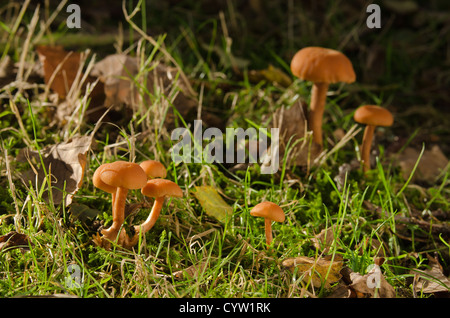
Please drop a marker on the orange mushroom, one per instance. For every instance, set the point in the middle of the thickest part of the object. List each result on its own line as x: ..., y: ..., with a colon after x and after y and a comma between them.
x: 323, y: 67
x: 270, y: 212
x: 158, y: 189
x: 117, y: 178
x: 153, y: 169
x: 372, y: 116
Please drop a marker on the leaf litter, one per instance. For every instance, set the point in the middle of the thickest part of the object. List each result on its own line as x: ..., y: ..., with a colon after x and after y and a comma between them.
x: 64, y: 164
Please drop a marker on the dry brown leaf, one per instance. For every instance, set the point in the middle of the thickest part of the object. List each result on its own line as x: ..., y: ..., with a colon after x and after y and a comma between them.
x: 324, y: 240
x: 371, y: 285
x: 431, y: 165
x: 432, y: 280
x: 119, y: 72
x: 60, y: 70
x: 293, y: 131
x: 64, y: 162
x: 13, y: 240
x: 320, y: 270
x: 53, y: 57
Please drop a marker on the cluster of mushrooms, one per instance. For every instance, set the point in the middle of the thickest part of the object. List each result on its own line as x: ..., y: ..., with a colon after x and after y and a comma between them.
x: 322, y: 66
x: 120, y: 176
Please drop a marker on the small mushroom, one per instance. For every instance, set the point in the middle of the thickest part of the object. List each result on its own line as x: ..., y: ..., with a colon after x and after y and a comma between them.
x: 322, y: 66
x: 270, y: 212
x: 153, y: 169
x: 372, y: 116
x: 117, y: 178
x: 158, y: 189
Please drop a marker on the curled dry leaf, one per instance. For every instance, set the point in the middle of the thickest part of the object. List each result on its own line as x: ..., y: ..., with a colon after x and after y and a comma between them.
x: 64, y: 163
x: 320, y: 270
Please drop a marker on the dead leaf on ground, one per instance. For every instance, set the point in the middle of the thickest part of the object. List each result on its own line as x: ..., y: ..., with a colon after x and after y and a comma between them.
x: 120, y: 72
x: 60, y: 71
x: 371, y: 285
x: 431, y: 280
x: 320, y: 270
x: 212, y: 203
x: 271, y: 74
x: 60, y: 67
x: 294, y: 136
x: 324, y: 240
x: 13, y: 240
x: 65, y: 163
x: 429, y: 168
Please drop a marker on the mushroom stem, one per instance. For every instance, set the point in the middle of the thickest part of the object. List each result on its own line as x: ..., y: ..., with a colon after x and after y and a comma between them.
x: 118, y: 213
x: 317, y: 107
x: 152, y: 217
x: 268, y: 228
x: 366, y: 145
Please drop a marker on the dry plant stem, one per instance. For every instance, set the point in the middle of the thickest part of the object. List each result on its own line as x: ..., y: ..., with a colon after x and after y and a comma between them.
x: 118, y: 213
x: 268, y: 228
x: 365, y: 147
x: 317, y: 107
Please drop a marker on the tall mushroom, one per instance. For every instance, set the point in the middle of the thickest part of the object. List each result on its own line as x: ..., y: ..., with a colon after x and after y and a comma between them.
x: 372, y: 116
x: 270, y: 212
x: 158, y: 189
x: 117, y: 178
x: 322, y: 66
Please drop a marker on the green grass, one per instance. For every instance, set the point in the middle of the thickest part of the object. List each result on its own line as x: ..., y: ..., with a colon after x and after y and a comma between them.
x: 360, y: 209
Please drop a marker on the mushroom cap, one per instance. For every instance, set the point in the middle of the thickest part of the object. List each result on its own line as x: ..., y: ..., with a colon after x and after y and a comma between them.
x: 322, y: 65
x: 268, y: 210
x: 97, y: 180
x: 154, y: 169
x: 157, y: 188
x: 123, y: 174
x: 373, y: 115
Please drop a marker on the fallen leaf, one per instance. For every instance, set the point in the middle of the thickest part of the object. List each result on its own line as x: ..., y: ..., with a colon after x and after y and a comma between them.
x: 371, y: 285
x: 119, y: 74
x: 432, y: 280
x: 430, y: 166
x: 14, y: 240
x: 320, y: 270
x: 294, y: 137
x: 212, y: 203
x: 65, y: 164
x: 60, y: 71
x: 61, y: 65
x: 324, y: 240
x: 270, y: 74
